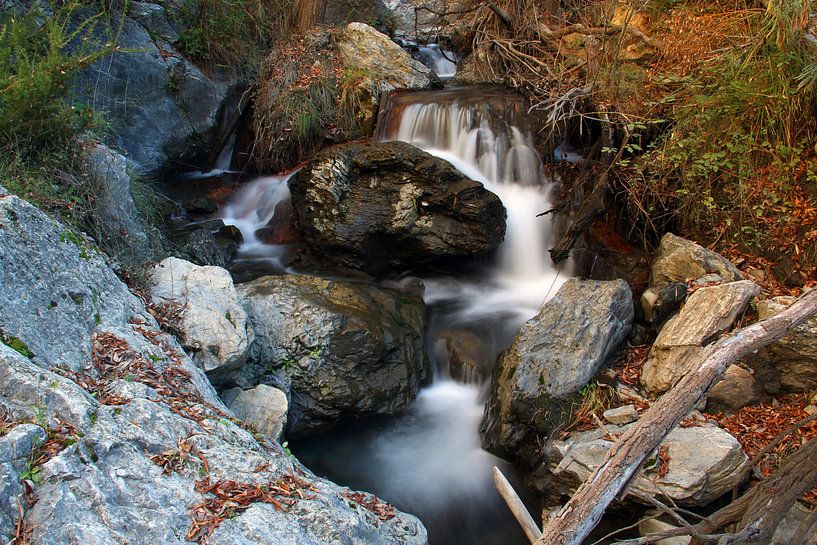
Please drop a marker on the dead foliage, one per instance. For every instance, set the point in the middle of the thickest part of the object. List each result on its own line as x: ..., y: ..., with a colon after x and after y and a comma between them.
x: 629, y: 365
x: 178, y: 459
x: 224, y: 499
x: 169, y: 316
x: 100, y: 388
x: 370, y: 502
x: 757, y: 425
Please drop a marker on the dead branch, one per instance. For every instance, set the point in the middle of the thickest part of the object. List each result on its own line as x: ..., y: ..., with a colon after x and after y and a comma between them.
x: 516, y: 506
x: 580, y: 515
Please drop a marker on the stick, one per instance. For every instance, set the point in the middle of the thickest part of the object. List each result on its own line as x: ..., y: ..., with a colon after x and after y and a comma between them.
x: 580, y: 515
x: 516, y: 506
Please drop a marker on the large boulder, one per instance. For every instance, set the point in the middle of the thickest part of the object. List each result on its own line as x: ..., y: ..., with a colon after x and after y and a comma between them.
x: 790, y: 363
x: 263, y: 407
x: 17, y: 447
x: 390, y: 206
x: 702, y: 464
x: 680, y: 260
x: 138, y: 438
x: 202, y: 306
x: 735, y: 390
x: 348, y: 350
x: 553, y: 356
x: 708, y: 313
x: 161, y: 108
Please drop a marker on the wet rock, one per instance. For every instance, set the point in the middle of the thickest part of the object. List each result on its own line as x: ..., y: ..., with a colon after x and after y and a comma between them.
x: 737, y: 389
x: 16, y: 449
x: 552, y: 357
x: 107, y: 486
x: 392, y: 206
x: 708, y: 313
x: 704, y: 463
x: 203, y: 306
x: 678, y: 260
x: 349, y: 349
x: 263, y: 407
x: 790, y: 363
x: 118, y: 226
x: 466, y: 356
x: 212, y: 243
x: 621, y: 415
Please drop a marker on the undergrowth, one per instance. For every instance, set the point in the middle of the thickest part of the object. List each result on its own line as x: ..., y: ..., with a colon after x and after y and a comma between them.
x: 234, y: 33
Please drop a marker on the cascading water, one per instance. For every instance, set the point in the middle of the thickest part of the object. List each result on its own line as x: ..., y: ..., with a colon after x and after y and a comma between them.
x: 429, y: 461
x: 252, y: 209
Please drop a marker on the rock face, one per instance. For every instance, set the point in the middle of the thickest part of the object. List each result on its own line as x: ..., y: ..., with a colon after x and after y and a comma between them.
x: 160, y: 105
x: 554, y: 355
x: 704, y: 463
x: 119, y: 225
x: 347, y: 349
x: 789, y: 364
x: 135, y: 420
x: 263, y: 407
x: 708, y: 313
x: 16, y: 449
x: 202, y: 305
x: 678, y: 260
x: 391, y: 205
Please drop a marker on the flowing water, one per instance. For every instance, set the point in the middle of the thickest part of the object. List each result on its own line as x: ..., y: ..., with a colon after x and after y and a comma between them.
x: 429, y: 461
x: 442, y: 61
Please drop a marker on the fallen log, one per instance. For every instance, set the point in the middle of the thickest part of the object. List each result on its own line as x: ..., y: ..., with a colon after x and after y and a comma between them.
x: 516, y: 506
x: 584, y: 510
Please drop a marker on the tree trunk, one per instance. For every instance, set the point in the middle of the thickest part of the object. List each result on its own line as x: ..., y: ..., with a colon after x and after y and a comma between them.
x: 580, y: 515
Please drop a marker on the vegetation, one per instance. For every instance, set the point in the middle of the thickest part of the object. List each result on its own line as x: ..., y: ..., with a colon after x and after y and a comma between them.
x: 234, y: 33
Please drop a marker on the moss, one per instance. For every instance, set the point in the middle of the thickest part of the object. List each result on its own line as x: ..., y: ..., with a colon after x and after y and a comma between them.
x: 15, y: 343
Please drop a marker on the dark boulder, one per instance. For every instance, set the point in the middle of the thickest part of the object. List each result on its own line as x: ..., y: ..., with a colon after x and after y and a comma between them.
x: 390, y: 205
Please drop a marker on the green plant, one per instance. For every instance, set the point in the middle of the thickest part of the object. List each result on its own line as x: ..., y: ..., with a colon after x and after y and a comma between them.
x: 15, y: 343
x: 31, y: 473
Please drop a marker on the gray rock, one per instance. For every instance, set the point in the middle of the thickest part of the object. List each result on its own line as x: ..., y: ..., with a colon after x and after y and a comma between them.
x: 391, y: 205
x: 349, y: 349
x: 621, y: 415
x: 552, y: 357
x: 119, y: 227
x: 159, y: 20
x: 679, y: 260
x: 404, y: 20
x: 708, y: 313
x: 16, y: 448
x: 263, y: 407
x: 211, y: 322
x: 790, y: 363
x: 107, y: 486
x: 161, y: 107
x: 704, y: 463
x: 736, y: 389
x: 785, y: 531
x: 55, y: 287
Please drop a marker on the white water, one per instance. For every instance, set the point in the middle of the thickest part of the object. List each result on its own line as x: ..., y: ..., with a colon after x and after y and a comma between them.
x: 501, y: 156
x: 442, y: 61
x: 251, y: 208
x: 222, y: 164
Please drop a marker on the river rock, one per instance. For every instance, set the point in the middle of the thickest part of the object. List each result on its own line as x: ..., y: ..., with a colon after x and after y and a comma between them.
x: 621, y: 415
x: 16, y: 449
x: 553, y: 356
x: 704, y: 463
x: 660, y: 302
x: 679, y: 260
x: 349, y: 350
x: 708, y: 313
x: 785, y: 531
x: 136, y: 418
x: 790, y: 363
x: 263, y: 407
x: 651, y: 525
x: 391, y: 206
x: 466, y: 356
x: 736, y: 389
x: 203, y: 306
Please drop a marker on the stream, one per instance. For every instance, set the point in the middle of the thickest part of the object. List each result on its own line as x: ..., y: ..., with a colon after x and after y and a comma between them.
x: 429, y: 461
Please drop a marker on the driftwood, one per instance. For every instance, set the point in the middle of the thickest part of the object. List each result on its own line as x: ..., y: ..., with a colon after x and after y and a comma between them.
x: 581, y: 514
x: 516, y: 506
